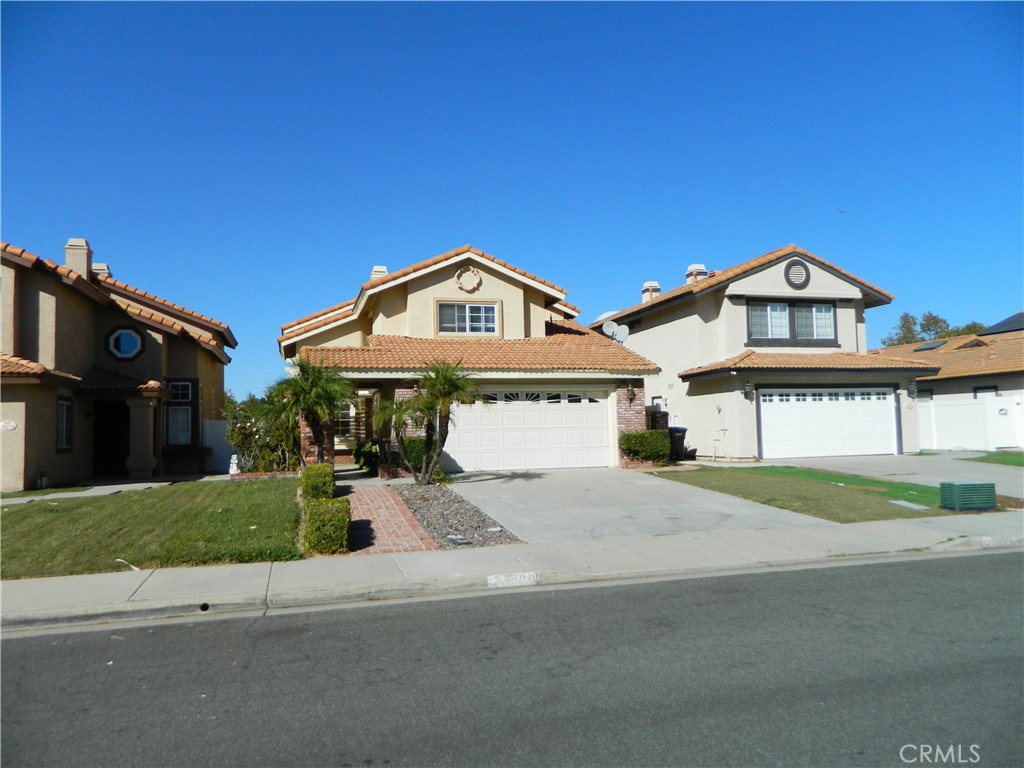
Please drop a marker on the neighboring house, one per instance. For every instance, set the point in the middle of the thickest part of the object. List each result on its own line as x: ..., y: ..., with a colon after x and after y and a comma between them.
x: 768, y: 359
x: 555, y: 394
x: 975, y: 399
x: 100, y: 378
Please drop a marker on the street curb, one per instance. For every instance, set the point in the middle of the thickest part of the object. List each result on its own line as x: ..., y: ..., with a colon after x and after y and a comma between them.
x: 470, y: 585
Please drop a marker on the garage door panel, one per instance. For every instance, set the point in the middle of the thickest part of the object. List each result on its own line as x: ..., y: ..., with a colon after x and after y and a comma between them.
x: 827, y: 422
x: 531, y: 429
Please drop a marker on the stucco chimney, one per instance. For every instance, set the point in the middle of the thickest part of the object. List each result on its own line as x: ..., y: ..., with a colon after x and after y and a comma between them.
x: 378, y: 272
x: 651, y: 290
x: 78, y: 256
x: 696, y: 272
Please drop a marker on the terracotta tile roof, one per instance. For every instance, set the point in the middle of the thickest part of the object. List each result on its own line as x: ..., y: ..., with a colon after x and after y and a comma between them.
x: 112, y: 286
x: 721, y: 277
x: 101, y: 379
x: 302, y: 331
x: 14, y: 367
x: 116, y: 286
x: 568, y: 347
x: 450, y: 254
x: 967, y: 356
x: 330, y: 310
x: 749, y: 360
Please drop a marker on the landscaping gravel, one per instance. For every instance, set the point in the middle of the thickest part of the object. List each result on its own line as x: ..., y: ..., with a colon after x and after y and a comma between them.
x: 443, y: 514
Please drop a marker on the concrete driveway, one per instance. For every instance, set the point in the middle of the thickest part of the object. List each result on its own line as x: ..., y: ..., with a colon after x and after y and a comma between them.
x: 565, y: 504
x: 944, y: 467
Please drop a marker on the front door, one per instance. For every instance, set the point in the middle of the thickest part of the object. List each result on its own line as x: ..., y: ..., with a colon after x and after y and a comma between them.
x: 111, y: 437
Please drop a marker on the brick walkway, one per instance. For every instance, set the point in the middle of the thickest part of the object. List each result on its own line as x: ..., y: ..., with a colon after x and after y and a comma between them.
x: 381, y: 523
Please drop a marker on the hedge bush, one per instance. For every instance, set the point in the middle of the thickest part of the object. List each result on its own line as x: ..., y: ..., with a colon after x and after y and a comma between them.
x: 318, y: 481
x: 326, y: 528
x: 648, y: 445
x: 414, y: 447
x: 366, y: 455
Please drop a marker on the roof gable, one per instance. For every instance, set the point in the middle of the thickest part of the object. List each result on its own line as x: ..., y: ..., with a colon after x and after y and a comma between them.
x: 145, y: 307
x: 352, y: 309
x: 874, y: 295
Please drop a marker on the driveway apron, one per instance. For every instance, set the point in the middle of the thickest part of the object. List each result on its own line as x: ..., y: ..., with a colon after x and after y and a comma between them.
x: 567, y: 504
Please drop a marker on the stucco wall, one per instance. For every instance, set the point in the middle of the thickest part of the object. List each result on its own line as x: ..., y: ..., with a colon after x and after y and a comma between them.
x: 12, y: 441
x: 76, y: 332
x: 148, y: 365
x: 8, y: 308
x: 713, y: 327
x: 30, y: 450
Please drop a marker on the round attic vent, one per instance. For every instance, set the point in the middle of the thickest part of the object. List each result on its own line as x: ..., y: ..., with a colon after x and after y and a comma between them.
x: 797, y: 274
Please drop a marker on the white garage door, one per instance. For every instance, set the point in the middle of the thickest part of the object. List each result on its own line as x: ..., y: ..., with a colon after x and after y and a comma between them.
x: 854, y: 421
x: 517, y: 428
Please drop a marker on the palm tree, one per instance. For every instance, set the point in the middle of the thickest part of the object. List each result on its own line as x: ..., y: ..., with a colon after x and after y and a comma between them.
x: 316, y: 393
x: 438, y: 389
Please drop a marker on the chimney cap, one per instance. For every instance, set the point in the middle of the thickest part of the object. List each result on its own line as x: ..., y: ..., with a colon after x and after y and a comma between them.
x: 378, y: 271
x: 696, y: 268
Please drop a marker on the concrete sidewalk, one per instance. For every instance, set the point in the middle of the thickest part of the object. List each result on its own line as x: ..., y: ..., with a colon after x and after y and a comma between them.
x: 262, y: 587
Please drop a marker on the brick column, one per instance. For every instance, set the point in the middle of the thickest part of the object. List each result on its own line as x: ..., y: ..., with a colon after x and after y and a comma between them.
x: 308, y: 444
x: 630, y: 416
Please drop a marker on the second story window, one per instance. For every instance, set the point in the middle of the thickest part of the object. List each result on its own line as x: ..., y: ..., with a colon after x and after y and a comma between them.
x: 791, y: 323
x: 466, y: 318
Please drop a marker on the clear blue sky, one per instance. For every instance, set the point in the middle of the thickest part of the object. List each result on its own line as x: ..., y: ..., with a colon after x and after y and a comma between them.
x: 254, y: 161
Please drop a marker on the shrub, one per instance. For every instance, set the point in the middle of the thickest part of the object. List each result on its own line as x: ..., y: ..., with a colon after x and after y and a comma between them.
x: 318, y: 481
x: 326, y: 528
x: 366, y: 455
x: 414, y: 447
x: 647, y: 445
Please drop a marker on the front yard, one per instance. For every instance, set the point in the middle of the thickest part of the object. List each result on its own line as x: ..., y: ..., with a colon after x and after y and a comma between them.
x: 827, y: 495
x: 191, y: 523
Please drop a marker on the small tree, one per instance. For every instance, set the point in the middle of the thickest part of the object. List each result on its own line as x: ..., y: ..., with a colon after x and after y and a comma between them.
x: 441, y: 386
x: 262, y: 441
x: 909, y: 330
x: 315, y: 393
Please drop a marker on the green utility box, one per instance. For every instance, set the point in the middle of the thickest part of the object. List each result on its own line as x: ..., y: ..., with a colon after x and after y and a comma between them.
x: 961, y: 496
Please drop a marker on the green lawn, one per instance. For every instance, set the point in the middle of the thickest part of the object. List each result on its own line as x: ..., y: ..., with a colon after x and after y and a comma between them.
x: 190, y: 523
x: 1012, y: 459
x: 828, y: 495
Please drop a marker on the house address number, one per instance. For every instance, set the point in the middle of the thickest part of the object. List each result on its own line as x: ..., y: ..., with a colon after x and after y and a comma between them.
x: 8, y: 426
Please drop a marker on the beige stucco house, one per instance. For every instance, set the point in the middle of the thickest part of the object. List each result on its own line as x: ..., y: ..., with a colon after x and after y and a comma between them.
x: 98, y: 378
x: 554, y: 393
x: 975, y: 400
x: 768, y: 359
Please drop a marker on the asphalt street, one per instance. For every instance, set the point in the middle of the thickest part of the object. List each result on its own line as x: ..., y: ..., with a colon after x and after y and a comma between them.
x: 855, y: 666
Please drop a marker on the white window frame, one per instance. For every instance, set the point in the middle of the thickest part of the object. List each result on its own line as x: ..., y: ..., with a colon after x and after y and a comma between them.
x: 470, y: 319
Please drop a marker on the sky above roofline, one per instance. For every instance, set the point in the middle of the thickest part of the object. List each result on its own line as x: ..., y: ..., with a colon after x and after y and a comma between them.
x: 254, y: 161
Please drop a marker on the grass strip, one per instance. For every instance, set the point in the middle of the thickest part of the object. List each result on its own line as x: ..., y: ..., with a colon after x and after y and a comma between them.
x: 1010, y: 459
x: 826, y: 495
x: 190, y: 523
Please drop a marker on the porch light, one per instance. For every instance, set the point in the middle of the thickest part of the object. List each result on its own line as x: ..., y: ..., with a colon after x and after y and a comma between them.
x: 912, y: 390
x: 748, y: 391
x: 630, y: 393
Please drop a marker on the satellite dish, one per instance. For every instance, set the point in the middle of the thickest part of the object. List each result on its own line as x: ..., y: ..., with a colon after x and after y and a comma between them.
x: 609, y: 328
x: 620, y: 334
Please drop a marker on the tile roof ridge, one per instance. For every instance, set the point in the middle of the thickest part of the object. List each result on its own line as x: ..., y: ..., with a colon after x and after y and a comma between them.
x: 315, y: 315
x: 120, y: 285
x: 718, y: 277
x: 442, y: 257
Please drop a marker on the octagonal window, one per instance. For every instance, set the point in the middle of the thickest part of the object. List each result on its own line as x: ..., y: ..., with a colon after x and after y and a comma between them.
x: 124, y: 343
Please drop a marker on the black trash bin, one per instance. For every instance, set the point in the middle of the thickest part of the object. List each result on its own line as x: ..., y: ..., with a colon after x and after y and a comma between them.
x: 677, y: 443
